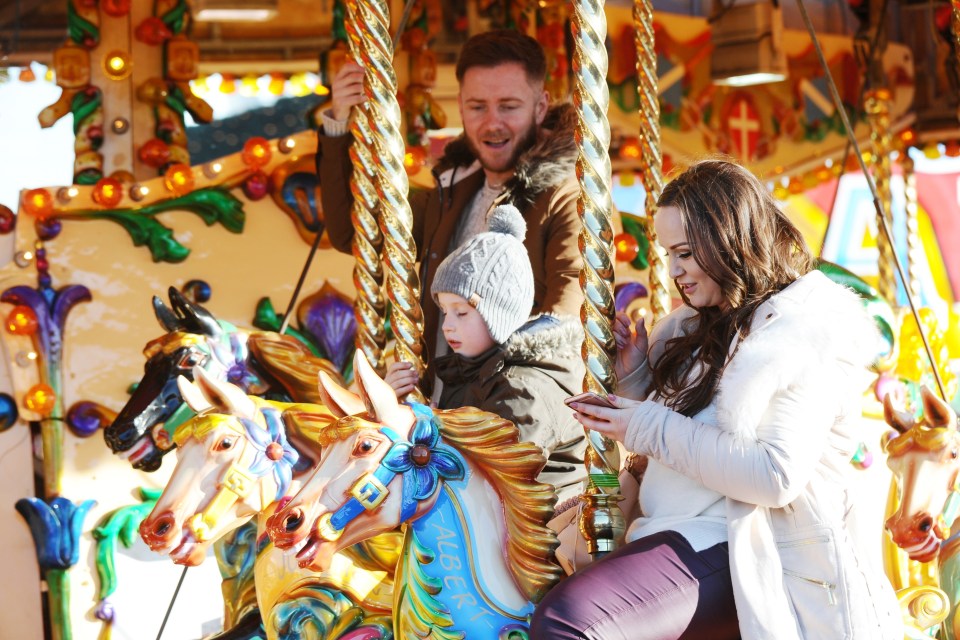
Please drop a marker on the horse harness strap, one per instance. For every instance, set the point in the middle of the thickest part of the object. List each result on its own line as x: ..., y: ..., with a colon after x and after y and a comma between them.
x: 235, y: 485
x: 367, y: 494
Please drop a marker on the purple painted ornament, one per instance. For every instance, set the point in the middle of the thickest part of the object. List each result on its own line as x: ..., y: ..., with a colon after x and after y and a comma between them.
x: 48, y: 228
x: 626, y: 293
x: 256, y: 186
x: 328, y: 316
x: 85, y: 418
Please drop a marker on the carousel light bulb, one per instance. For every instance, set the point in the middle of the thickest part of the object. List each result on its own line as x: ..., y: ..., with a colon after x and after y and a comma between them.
x: 22, y: 321
x: 66, y: 194
x: 38, y: 203
x: 256, y: 152
x: 212, y: 169
x: 41, y: 399
x: 23, y: 258
x: 286, y: 145
x: 108, y: 192
x: 117, y: 65
x: 120, y: 125
x: 179, y: 179
x: 25, y: 359
x: 138, y: 192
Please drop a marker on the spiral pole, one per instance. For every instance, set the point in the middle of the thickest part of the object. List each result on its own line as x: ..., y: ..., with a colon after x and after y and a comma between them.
x: 914, y: 246
x: 601, y: 521
x: 369, y: 307
x: 371, y: 23
x: 877, y: 104
x: 650, y: 151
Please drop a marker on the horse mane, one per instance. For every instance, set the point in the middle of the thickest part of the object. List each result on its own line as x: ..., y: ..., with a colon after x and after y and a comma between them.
x: 291, y: 364
x: 922, y: 437
x: 493, y: 445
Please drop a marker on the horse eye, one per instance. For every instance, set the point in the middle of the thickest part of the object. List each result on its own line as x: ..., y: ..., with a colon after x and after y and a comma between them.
x: 364, y: 447
x: 189, y: 359
x: 225, y: 444
x: 953, y: 454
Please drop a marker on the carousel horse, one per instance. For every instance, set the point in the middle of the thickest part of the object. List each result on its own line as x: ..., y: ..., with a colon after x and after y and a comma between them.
x: 477, y: 553
x: 234, y: 468
x: 924, y: 456
x: 259, y: 362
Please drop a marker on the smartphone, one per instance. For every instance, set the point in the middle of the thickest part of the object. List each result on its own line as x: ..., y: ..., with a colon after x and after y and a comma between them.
x: 591, y: 398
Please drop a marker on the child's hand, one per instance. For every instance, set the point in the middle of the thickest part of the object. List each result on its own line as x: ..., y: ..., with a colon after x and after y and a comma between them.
x: 631, y: 345
x: 402, y: 376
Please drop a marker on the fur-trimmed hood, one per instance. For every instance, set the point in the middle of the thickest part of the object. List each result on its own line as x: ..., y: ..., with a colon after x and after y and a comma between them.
x: 813, y: 332
x: 544, y: 338
x: 548, y: 163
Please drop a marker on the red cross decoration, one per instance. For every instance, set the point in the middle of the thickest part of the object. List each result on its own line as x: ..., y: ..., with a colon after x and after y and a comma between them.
x: 743, y: 126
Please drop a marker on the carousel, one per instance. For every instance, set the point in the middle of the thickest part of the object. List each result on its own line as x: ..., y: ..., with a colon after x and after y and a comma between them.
x: 179, y: 296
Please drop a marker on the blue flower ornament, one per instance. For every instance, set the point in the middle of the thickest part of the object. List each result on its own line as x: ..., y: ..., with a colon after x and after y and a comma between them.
x: 273, y: 451
x: 423, y: 460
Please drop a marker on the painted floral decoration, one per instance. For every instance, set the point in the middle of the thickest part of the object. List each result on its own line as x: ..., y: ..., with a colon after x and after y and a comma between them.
x: 423, y: 460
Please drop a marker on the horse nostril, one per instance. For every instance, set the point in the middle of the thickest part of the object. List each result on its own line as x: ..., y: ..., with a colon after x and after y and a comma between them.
x: 293, y: 521
x: 162, y: 528
x: 926, y: 524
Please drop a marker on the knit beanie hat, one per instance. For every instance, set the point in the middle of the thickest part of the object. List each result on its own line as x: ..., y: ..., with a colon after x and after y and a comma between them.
x: 492, y: 272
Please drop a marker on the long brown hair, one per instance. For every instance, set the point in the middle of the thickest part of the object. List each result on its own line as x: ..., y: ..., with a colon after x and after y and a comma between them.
x: 742, y: 240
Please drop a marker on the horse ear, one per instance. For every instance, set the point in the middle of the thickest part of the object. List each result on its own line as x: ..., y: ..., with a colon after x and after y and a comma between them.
x: 338, y: 400
x: 937, y: 413
x: 378, y: 396
x: 899, y: 420
x: 192, y: 395
x: 193, y: 317
x: 165, y: 316
x: 223, y: 395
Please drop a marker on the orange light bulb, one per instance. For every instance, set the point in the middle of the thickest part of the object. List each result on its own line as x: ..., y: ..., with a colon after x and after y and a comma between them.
x: 256, y: 152
x: 40, y: 399
x: 179, y: 179
x: 22, y: 321
x: 38, y: 203
x: 108, y: 192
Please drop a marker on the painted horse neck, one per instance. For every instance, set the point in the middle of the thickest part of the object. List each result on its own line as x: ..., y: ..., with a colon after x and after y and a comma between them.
x: 454, y: 567
x: 277, y: 574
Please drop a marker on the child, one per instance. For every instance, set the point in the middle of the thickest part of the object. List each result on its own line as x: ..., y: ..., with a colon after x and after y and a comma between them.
x: 502, y: 361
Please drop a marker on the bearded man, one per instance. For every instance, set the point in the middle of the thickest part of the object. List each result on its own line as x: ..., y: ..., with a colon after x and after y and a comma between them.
x: 515, y: 149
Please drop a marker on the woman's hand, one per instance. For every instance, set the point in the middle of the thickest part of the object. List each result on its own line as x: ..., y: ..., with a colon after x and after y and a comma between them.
x: 402, y: 376
x: 631, y: 344
x: 346, y: 90
x: 611, y: 422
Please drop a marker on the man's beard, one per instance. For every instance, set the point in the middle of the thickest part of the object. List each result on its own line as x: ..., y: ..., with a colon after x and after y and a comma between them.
x: 524, y: 143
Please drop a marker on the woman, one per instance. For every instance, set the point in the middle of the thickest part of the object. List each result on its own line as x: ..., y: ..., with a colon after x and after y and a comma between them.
x: 749, y: 528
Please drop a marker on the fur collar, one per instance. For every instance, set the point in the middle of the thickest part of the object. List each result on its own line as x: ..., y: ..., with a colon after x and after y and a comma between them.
x: 548, y: 163
x: 542, y: 338
x: 813, y: 332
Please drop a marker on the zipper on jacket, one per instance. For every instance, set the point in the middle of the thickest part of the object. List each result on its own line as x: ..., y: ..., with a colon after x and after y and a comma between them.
x: 831, y: 598
x: 803, y: 543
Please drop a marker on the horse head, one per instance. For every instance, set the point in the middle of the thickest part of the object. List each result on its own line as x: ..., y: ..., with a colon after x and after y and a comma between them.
x: 924, y: 456
x: 233, y: 461
x: 194, y: 338
x: 381, y: 465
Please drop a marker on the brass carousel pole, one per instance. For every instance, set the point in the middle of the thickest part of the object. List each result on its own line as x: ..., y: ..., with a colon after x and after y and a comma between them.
x: 914, y: 246
x: 368, y: 24
x: 601, y: 521
x: 650, y: 152
x: 877, y: 105
x: 367, y: 239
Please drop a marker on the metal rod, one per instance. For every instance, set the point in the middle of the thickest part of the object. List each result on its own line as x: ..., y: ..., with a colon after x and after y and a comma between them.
x: 303, y: 276
x: 172, y: 600
x: 838, y: 103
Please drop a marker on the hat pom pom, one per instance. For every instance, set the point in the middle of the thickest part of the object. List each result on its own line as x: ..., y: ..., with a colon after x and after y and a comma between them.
x: 506, y: 218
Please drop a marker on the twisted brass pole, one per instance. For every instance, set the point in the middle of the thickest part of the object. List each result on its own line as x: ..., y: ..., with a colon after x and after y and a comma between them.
x: 369, y: 307
x: 650, y: 152
x: 914, y: 246
x: 370, y: 20
x: 877, y: 104
x: 601, y: 521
